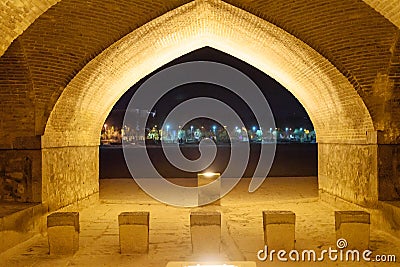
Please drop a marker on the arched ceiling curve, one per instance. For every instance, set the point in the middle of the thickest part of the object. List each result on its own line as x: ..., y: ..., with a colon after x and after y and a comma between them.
x: 17, y: 16
x: 349, y: 33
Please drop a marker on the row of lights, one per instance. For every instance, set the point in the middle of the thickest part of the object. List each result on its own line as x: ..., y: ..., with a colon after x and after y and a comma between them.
x: 214, y: 127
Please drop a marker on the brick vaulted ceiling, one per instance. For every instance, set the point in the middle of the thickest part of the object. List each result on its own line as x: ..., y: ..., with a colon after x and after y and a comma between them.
x: 51, y: 41
x: 18, y: 15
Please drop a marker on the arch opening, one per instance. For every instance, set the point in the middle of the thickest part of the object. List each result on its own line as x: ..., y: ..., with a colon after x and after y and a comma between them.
x: 340, y: 118
x: 296, y: 152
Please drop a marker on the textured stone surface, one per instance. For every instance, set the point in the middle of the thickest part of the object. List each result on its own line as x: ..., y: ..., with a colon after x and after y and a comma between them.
x: 17, y: 15
x: 63, y: 219
x: 279, y: 229
x: 389, y: 172
x: 351, y: 217
x: 278, y: 217
x: 63, y: 240
x: 349, y: 172
x: 354, y: 227
x: 134, y: 218
x: 19, y: 222
x: 134, y: 232
x: 205, y: 218
x: 20, y: 175
x: 205, y: 231
x: 63, y: 233
x: 69, y: 174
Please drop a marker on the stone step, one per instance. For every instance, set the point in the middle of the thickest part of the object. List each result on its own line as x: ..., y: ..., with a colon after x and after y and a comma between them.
x: 19, y: 222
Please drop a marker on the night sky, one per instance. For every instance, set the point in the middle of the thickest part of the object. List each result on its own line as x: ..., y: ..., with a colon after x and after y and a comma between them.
x: 288, y: 112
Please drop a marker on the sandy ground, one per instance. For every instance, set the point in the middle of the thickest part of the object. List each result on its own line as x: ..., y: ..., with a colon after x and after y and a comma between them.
x: 241, y: 230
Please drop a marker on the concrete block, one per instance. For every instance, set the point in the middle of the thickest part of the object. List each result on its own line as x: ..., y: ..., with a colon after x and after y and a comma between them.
x: 63, y: 233
x: 279, y: 229
x: 212, y: 193
x: 134, y: 232
x: 205, y: 230
x: 354, y: 227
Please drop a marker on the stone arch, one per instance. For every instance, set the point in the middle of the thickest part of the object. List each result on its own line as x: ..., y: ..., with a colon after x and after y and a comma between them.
x: 341, y: 119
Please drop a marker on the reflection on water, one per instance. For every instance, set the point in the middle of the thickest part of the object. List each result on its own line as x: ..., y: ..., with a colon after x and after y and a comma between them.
x: 290, y: 160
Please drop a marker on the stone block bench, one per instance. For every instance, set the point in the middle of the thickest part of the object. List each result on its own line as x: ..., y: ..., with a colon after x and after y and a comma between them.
x: 134, y: 232
x: 279, y: 229
x: 205, y: 230
x: 63, y: 233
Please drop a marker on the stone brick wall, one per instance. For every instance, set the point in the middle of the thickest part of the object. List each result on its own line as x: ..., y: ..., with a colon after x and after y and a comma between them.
x: 17, y: 15
x: 389, y: 172
x: 69, y: 174
x: 20, y: 175
x: 349, y: 172
x: 17, y: 113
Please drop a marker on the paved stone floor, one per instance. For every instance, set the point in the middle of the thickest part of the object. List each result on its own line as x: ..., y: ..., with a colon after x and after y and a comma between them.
x: 242, y: 230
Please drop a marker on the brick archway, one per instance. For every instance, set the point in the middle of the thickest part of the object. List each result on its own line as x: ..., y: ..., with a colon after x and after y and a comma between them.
x: 341, y: 119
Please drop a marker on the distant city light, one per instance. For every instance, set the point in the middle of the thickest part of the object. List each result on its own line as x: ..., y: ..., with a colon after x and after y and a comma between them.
x: 112, y: 134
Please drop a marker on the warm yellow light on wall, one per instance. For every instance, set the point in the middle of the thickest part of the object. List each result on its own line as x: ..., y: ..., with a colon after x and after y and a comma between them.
x: 304, y: 72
